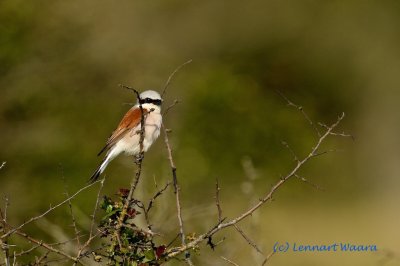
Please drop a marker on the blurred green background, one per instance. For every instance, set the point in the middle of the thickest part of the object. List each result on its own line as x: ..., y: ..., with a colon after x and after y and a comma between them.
x: 60, y: 66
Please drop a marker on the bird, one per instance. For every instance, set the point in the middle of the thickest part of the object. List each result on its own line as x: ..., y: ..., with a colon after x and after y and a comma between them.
x: 126, y: 137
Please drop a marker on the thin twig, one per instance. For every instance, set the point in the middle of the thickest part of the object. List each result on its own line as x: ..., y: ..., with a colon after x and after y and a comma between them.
x: 170, y: 107
x: 309, y: 182
x: 300, y: 108
x: 177, y: 194
x: 4, y: 243
x: 96, y: 206
x: 45, y: 245
x: 48, y: 211
x: 268, y: 257
x: 159, y: 193
x: 229, y: 261
x: 2, y: 165
x: 172, y: 75
x: 338, y: 134
x: 249, y: 241
x: 295, y: 158
x: 91, y: 236
x: 173, y: 167
x: 70, y: 208
x: 262, y: 201
x: 217, y: 201
x: 136, y: 178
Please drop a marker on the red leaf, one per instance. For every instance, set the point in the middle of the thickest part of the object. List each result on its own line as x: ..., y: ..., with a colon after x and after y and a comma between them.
x: 160, y: 250
x: 124, y: 192
x: 131, y: 213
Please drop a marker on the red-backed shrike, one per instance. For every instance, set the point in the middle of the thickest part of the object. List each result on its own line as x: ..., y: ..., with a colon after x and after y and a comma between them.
x: 126, y: 138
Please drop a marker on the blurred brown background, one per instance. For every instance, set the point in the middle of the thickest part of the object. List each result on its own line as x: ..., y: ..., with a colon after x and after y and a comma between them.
x: 60, y: 66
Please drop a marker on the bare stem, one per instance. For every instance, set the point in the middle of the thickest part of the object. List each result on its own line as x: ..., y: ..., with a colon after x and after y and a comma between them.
x: 173, y: 74
x: 192, y: 244
x: 177, y: 194
x: 48, y: 211
x: 136, y: 178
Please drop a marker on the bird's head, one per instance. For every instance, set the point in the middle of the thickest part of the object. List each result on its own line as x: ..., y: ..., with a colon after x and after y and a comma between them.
x: 150, y: 99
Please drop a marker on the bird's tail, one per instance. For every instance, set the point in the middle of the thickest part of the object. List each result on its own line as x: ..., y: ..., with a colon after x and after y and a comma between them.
x: 100, y: 169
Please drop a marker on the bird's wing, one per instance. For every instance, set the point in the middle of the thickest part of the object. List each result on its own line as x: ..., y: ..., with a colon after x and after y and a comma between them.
x: 130, y: 120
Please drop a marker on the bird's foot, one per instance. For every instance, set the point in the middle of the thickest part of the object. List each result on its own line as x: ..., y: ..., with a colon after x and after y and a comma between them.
x: 139, y: 158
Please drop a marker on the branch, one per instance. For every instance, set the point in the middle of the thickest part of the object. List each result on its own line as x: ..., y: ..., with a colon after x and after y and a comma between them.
x: 229, y: 261
x: 42, y: 244
x: 249, y: 241
x: 74, y: 225
x: 177, y: 194
x: 172, y: 75
x: 176, y: 251
x: 136, y: 178
x: 217, y: 202
x: 300, y: 108
x: 48, y: 211
x: 91, y: 236
x: 2, y: 165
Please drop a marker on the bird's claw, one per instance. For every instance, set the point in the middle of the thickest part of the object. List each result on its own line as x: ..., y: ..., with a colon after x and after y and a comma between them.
x: 139, y: 158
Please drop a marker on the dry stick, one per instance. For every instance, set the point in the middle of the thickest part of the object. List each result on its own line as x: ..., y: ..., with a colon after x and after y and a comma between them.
x: 177, y: 194
x: 91, y: 236
x: 249, y: 241
x: 268, y: 257
x: 70, y: 208
x: 176, y: 251
x: 136, y: 178
x: 229, y: 261
x: 40, y: 243
x: 96, y: 206
x: 337, y: 134
x: 170, y: 107
x: 296, y: 159
x: 151, y: 202
x: 48, y: 211
x: 300, y: 108
x: 172, y: 75
x: 217, y: 202
x: 45, y: 245
x: 316, y: 186
x: 43, y: 257
x: 24, y: 252
x: 172, y: 164
x: 3, y: 217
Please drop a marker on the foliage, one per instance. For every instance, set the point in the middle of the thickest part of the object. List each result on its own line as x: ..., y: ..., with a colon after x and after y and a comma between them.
x: 135, y: 247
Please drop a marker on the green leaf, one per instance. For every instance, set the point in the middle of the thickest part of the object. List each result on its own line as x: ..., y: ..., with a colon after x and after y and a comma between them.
x: 149, y: 255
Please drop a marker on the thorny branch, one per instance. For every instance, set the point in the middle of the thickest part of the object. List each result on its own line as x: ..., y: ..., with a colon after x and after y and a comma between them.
x: 249, y: 241
x: 186, y: 243
x: 91, y: 235
x: 300, y: 108
x: 192, y: 244
x: 177, y: 194
x: 217, y: 201
x: 135, y: 180
x: 173, y: 167
x: 74, y: 225
x: 48, y: 211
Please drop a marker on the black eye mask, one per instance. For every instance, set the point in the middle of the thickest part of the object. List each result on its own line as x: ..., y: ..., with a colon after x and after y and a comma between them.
x: 149, y: 100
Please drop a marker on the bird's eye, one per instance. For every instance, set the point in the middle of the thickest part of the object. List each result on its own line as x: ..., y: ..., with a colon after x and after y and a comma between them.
x: 148, y: 100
